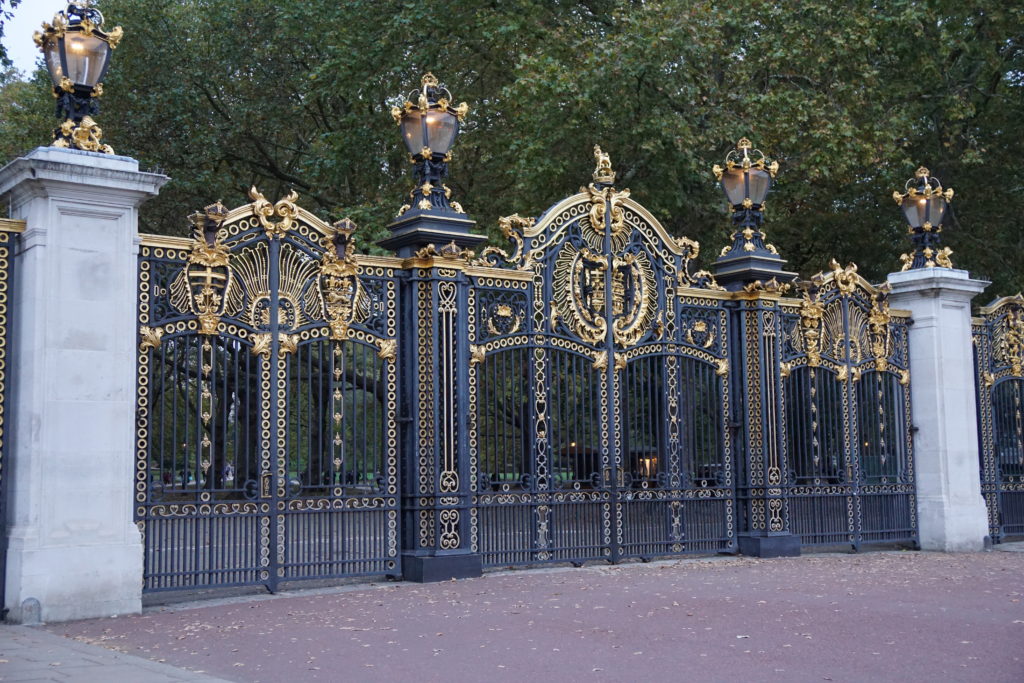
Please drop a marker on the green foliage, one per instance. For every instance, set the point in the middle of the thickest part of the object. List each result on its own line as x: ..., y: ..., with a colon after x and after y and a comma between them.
x: 223, y: 94
x: 5, y: 15
x: 26, y: 113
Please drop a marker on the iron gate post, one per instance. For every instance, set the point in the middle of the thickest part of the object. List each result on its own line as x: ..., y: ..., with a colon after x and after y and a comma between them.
x: 999, y: 380
x: 278, y: 473
x: 8, y: 241
x: 437, y: 534
x: 438, y: 479
x: 614, y: 444
x: 767, y: 532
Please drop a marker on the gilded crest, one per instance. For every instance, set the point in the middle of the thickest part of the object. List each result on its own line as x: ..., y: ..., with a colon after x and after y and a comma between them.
x: 582, y: 276
x: 344, y: 299
x: 579, y: 276
x: 201, y: 287
x: 1008, y: 338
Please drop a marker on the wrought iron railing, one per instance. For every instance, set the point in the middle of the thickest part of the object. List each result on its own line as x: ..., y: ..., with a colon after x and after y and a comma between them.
x: 999, y: 363
x: 306, y: 412
x: 9, y: 231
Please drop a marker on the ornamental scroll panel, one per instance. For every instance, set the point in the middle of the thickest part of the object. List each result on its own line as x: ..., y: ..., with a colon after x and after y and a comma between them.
x: 600, y: 390
x: 849, y: 467
x: 267, y: 403
x: 999, y: 360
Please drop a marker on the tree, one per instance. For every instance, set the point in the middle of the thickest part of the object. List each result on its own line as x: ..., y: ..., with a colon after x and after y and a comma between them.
x: 26, y: 111
x: 5, y: 16
x: 223, y: 93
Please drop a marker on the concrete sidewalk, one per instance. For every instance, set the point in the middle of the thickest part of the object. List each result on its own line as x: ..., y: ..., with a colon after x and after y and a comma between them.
x: 30, y: 653
x: 878, y: 616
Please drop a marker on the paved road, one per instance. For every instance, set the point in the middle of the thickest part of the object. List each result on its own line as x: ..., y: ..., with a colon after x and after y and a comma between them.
x: 883, y: 616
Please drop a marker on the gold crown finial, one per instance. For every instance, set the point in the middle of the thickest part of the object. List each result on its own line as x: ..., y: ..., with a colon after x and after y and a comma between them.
x: 216, y: 212
x: 603, y: 173
x: 429, y: 80
x: 346, y: 226
x: 744, y: 143
x: 922, y: 172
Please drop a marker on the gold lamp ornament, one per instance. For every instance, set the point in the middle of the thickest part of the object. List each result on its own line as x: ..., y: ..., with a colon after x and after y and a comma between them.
x: 77, y: 53
x: 430, y: 123
x: 749, y: 261
x: 925, y: 205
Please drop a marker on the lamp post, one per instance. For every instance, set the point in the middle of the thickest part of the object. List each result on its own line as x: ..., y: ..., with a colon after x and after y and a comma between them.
x: 745, y: 181
x: 925, y: 204
x: 77, y: 54
x: 429, y: 126
x: 430, y: 123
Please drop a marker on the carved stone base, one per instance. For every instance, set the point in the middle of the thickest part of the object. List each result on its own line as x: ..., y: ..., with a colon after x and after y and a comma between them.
x: 770, y: 546
x: 431, y: 568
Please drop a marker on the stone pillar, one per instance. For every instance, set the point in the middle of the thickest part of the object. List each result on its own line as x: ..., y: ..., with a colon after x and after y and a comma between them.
x: 950, y: 509
x: 73, y: 548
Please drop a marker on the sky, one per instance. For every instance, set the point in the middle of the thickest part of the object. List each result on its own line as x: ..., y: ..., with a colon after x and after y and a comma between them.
x: 28, y: 17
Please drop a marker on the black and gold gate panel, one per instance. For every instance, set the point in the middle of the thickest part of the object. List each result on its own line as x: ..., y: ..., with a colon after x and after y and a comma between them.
x: 999, y: 360
x: 848, y: 457
x: 600, y: 389
x: 267, y: 403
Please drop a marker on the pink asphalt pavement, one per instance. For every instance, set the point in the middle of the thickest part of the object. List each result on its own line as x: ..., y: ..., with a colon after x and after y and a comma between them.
x: 876, y: 616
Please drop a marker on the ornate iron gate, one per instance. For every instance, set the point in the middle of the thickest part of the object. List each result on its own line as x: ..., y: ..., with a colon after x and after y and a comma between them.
x: 267, y: 403
x: 9, y: 231
x: 845, y: 398
x: 999, y: 361
x: 599, y: 388
x: 587, y: 397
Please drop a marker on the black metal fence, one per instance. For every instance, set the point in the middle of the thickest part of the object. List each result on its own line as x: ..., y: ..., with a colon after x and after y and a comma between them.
x: 849, y: 465
x: 999, y: 363
x: 9, y: 231
x: 267, y: 404
x: 305, y: 412
x: 599, y: 436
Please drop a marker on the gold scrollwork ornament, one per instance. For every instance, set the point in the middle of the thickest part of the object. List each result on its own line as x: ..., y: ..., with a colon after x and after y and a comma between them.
x: 807, y: 337
x: 1008, y: 338
x: 450, y: 251
x: 504, y: 320
x: 285, y: 210
x: 387, y: 349
x: 151, y: 337
x: 261, y: 344
x: 879, y: 336
x: 85, y: 135
x: 477, y: 354
x: 512, y: 228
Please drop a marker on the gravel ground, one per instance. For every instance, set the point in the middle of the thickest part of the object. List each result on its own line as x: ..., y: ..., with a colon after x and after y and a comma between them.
x: 878, y: 616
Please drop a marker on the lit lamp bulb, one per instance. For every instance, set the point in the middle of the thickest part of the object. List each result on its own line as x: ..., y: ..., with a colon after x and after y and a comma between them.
x: 924, y: 204
x: 76, y: 52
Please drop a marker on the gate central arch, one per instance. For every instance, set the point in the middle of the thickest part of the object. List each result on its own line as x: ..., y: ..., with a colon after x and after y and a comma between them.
x: 600, y: 389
